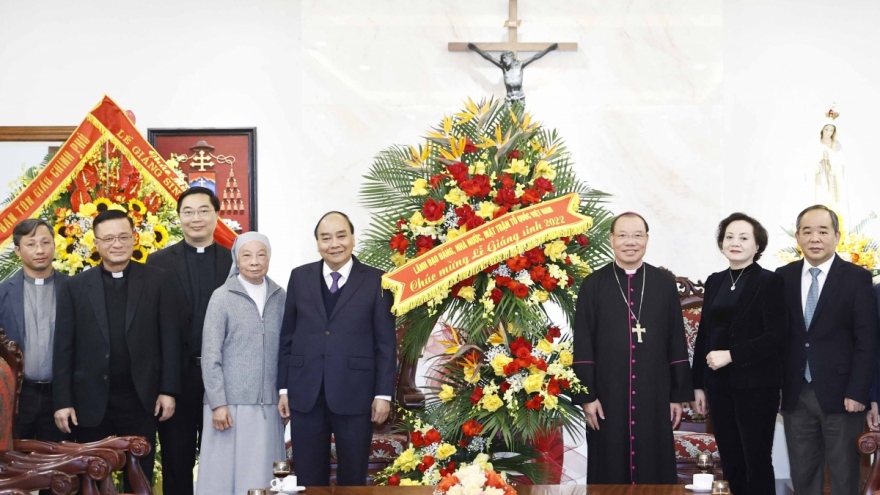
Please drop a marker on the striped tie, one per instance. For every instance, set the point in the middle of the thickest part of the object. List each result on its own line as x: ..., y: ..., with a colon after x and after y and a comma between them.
x: 812, y: 300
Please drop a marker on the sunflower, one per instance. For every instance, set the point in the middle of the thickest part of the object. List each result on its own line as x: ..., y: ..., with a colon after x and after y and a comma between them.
x: 103, y: 204
x: 139, y: 254
x: 160, y: 236
x: 61, y: 229
x: 94, y: 258
x: 137, y: 206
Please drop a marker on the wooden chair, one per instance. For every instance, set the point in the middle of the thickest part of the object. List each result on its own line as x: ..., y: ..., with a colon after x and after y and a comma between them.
x: 694, y: 435
x: 56, y: 482
x: 94, y: 462
x: 386, y: 444
x: 869, y: 444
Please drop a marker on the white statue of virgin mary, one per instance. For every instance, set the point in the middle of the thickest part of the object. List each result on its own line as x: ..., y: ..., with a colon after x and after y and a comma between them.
x: 826, y: 173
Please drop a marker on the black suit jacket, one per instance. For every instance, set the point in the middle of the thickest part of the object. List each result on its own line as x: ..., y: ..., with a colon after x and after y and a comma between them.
x: 757, y: 331
x: 172, y: 259
x: 353, y: 353
x: 81, y: 365
x: 841, y: 342
x: 12, y: 305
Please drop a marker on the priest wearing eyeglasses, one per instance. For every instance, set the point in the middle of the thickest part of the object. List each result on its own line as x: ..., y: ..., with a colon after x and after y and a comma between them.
x: 116, y: 368
x: 630, y: 353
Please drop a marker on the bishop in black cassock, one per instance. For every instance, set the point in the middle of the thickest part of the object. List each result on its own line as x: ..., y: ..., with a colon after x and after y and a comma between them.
x: 631, y: 354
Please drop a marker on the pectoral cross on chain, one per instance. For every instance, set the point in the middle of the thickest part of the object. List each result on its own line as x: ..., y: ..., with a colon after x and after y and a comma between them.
x: 639, y: 330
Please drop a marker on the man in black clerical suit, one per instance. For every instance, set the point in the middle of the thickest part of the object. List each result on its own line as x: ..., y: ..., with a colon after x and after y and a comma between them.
x: 831, y: 357
x: 196, y: 266
x: 117, y: 358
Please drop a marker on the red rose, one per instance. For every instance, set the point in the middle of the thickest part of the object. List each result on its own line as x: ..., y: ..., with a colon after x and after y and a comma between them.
x: 535, y: 402
x: 399, y: 243
x: 426, y: 463
x: 520, y: 343
x: 436, y: 179
x: 500, y: 211
x: 433, y: 210
x: 504, y: 386
x: 544, y: 185
x: 549, y: 283
x: 394, y: 480
x: 507, y: 198
x: 564, y: 384
x: 462, y: 443
x: 517, y: 263
x: 530, y: 196
x: 553, y: 387
x: 458, y: 171
x: 582, y: 240
x: 401, y: 223
x: 496, y: 295
x: 510, y: 368
x: 471, y: 428
x: 477, y: 395
x: 474, y: 222
x: 536, y: 255
x: 425, y: 242
x: 469, y: 146
x: 450, y: 468
x: 523, y: 353
x: 553, y: 332
x: 433, y: 436
x: 521, y: 291
x: 540, y: 364
x: 507, y: 181
x: 515, y: 155
x: 477, y: 187
x: 502, y: 281
x: 416, y: 439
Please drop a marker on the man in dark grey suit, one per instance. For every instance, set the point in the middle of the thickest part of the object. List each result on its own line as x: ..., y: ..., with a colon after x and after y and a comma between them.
x: 831, y: 357
x: 27, y: 315
x: 337, y: 359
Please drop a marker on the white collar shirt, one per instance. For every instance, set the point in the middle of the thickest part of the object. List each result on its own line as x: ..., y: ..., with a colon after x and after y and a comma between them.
x: 807, y: 278
x: 344, y: 270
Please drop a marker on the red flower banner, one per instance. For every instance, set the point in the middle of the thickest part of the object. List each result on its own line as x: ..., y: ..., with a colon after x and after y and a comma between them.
x: 105, y: 123
x: 435, y: 271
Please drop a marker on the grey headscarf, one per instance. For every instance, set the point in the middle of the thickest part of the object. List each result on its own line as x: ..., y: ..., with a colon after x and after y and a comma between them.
x: 239, y: 242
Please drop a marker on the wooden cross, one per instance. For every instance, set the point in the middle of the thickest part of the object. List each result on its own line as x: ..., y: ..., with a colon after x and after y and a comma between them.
x: 512, y: 44
x: 639, y: 330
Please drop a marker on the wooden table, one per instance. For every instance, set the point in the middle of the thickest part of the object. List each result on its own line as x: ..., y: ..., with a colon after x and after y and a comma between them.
x: 521, y: 490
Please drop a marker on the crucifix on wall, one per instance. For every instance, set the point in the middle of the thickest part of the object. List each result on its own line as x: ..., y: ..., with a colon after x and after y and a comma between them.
x: 508, y: 62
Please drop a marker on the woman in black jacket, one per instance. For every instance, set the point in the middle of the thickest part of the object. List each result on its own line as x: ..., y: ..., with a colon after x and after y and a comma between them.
x: 737, y: 370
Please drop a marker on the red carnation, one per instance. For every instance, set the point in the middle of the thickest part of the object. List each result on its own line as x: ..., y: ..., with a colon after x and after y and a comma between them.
x: 520, y: 343
x: 535, y: 402
x: 582, y: 240
x: 507, y: 181
x: 436, y: 179
x: 472, y: 428
x: 544, y: 185
x: 399, y: 242
x: 518, y: 263
x: 500, y: 211
x: 469, y: 146
x: 477, y: 187
x: 507, y: 198
x: 549, y: 283
x: 515, y: 155
x: 424, y: 243
x: 531, y: 196
x: 477, y: 395
x: 496, y: 295
x: 502, y: 281
x: 401, y: 223
x: 426, y: 463
x: 416, y: 439
x: 433, y: 210
x: 394, y: 480
x: 458, y: 171
x: 433, y: 436
x: 521, y: 291
x: 553, y: 332
x: 474, y: 222
x: 536, y: 255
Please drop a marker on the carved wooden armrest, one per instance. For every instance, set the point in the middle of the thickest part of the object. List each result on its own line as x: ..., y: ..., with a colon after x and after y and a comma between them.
x: 869, y: 443
x: 14, y: 491
x: 57, y: 482
x: 92, y: 466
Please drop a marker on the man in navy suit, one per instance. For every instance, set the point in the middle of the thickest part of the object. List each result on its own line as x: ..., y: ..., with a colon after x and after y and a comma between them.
x: 338, y: 358
x: 831, y: 357
x: 27, y: 315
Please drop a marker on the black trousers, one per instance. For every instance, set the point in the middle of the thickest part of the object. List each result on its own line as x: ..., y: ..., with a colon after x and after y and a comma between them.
x: 180, y: 435
x: 36, y: 414
x: 124, y: 416
x: 815, y: 438
x: 744, y: 422
x: 310, y: 439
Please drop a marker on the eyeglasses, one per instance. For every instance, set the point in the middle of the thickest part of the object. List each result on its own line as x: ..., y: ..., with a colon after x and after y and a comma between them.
x: 201, y: 212
x: 111, y: 239
x: 638, y: 237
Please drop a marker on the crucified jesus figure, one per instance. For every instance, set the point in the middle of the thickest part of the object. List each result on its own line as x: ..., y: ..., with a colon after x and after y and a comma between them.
x: 513, y: 70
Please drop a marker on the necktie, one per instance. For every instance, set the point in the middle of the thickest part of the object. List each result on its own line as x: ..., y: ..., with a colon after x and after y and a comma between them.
x: 335, y: 285
x: 812, y: 300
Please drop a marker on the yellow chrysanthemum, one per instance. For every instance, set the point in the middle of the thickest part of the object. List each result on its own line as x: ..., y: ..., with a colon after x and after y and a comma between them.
x: 160, y: 236
x: 517, y: 166
x: 420, y: 188
x: 555, y: 250
x: 102, y: 204
x: 545, y: 170
x: 456, y: 196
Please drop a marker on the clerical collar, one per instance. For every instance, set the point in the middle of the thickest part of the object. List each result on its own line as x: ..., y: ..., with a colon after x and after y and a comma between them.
x: 122, y: 274
x: 39, y: 281
x: 199, y: 250
x: 628, y: 272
